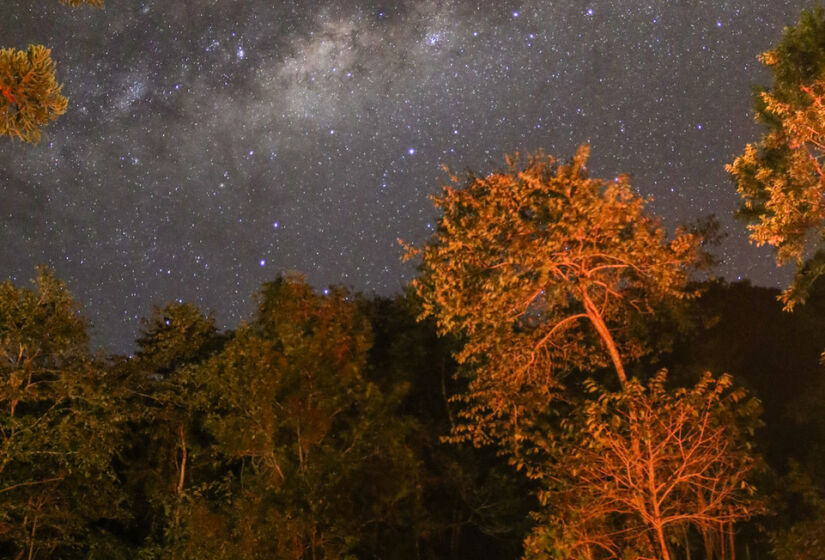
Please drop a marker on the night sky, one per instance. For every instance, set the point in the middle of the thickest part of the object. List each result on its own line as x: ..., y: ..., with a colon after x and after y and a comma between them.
x: 211, y: 144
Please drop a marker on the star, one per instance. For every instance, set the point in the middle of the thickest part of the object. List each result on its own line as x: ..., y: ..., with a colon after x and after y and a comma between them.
x: 189, y: 130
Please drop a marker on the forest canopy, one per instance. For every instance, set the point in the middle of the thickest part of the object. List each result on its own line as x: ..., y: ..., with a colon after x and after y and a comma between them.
x: 316, y: 429
x: 555, y: 383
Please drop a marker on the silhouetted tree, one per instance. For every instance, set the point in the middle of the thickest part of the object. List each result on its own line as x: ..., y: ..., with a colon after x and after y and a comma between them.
x: 472, y: 503
x: 167, y: 458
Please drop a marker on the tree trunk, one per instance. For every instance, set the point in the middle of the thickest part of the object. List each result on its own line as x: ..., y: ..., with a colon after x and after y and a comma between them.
x: 182, y: 434
x: 31, y: 539
x: 660, y: 536
x: 595, y: 317
x: 721, y: 541
x: 444, y: 393
x: 707, y: 538
x: 455, y: 534
x: 300, y: 446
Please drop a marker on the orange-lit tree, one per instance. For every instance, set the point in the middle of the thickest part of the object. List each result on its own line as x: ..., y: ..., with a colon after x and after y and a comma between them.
x: 643, y: 469
x: 543, y: 270
x: 58, y: 429
x: 30, y: 96
x: 781, y: 178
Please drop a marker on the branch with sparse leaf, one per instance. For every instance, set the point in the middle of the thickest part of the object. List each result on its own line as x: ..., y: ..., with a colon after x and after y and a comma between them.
x: 643, y: 467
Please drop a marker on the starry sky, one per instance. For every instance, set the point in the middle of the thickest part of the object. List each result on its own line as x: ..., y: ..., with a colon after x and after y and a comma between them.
x: 211, y: 144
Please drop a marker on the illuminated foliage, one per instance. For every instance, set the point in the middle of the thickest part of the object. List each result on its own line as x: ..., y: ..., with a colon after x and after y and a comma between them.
x: 541, y: 270
x: 170, y: 458
x: 314, y: 454
x: 781, y: 178
x: 29, y: 93
x: 642, y: 467
x: 30, y: 96
x: 57, y: 433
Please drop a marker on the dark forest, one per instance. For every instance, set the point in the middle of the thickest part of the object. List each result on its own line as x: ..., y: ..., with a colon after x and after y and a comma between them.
x: 563, y: 378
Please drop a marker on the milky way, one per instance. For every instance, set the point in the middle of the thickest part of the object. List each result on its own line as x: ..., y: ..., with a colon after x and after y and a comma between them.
x: 211, y: 144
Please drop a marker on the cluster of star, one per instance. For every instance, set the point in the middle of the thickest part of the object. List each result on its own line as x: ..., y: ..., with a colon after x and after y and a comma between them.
x: 212, y: 145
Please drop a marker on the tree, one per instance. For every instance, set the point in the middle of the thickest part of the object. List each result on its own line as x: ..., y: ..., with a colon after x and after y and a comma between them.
x: 640, y: 467
x: 173, y: 336
x: 781, y: 178
x: 313, y: 455
x: 804, y: 539
x: 30, y: 96
x: 168, y: 457
x: 472, y: 503
x: 58, y: 428
x: 543, y: 270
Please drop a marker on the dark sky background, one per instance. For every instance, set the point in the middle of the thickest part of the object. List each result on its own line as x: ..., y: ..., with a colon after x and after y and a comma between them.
x: 211, y: 144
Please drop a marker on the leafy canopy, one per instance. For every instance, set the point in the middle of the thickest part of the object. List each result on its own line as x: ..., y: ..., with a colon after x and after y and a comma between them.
x: 58, y: 429
x: 781, y: 177
x: 638, y: 467
x: 315, y: 453
x: 30, y: 96
x: 543, y: 269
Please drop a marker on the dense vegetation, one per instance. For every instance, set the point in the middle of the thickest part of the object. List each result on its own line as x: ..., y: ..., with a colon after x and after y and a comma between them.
x: 543, y: 390
x: 315, y: 430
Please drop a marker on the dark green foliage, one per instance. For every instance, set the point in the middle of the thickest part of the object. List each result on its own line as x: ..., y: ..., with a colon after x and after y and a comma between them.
x: 168, y: 453
x: 58, y: 427
x: 473, y: 504
x: 321, y: 396
x: 175, y: 335
x: 294, y: 436
x: 311, y: 454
